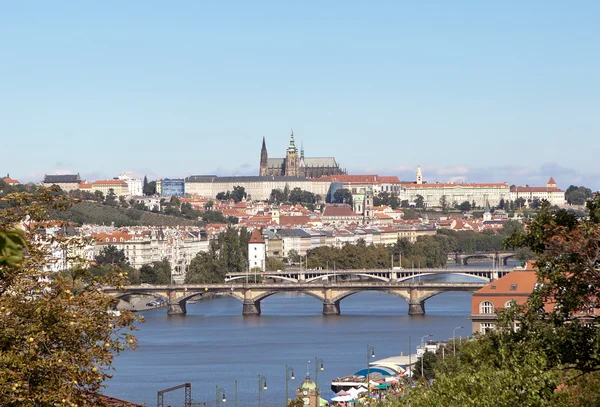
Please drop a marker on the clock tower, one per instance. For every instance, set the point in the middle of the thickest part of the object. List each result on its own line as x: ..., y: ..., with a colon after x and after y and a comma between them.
x: 308, y: 392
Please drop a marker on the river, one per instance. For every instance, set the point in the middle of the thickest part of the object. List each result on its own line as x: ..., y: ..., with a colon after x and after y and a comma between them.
x: 214, y: 345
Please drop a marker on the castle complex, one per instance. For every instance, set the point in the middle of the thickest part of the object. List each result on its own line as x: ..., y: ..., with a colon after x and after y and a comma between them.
x: 294, y: 165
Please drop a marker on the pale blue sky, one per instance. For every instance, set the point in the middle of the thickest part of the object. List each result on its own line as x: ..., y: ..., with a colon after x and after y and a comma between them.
x: 476, y: 91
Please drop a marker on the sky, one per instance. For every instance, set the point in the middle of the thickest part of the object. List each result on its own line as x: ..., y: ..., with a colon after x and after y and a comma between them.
x: 471, y: 91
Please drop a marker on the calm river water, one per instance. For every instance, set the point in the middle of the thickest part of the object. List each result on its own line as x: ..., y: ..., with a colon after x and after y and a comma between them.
x: 214, y: 345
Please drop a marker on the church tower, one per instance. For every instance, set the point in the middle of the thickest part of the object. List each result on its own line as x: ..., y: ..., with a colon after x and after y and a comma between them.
x: 368, y: 208
x: 291, y: 159
x: 419, y: 176
x: 264, y: 166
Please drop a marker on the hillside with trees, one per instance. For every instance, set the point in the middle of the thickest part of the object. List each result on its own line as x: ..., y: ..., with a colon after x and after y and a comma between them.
x: 553, y: 357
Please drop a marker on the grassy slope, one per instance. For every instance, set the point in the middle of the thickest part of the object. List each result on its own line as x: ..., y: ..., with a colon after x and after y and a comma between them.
x: 95, y: 213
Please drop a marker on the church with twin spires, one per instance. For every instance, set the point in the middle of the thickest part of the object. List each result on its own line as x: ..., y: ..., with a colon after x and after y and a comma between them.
x: 294, y: 165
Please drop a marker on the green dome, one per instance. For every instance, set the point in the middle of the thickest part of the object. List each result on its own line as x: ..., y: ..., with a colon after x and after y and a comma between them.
x: 308, y: 384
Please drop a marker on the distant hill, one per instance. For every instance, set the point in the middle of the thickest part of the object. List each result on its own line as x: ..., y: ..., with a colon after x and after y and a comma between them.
x: 98, y: 214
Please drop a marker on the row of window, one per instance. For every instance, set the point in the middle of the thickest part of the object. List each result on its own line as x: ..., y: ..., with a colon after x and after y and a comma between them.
x: 487, y: 307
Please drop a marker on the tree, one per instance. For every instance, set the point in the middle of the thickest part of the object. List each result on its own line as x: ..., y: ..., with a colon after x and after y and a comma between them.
x: 111, y: 198
x: 342, y: 195
x: 293, y: 256
x: 578, y: 195
x: 567, y: 253
x: 238, y: 193
x: 501, y: 204
x: 273, y: 264
x: 429, y: 362
x: 519, y: 203
x: 465, y: 206
x: 58, y: 337
x: 158, y: 272
x: 123, y: 202
x: 277, y: 195
x: 149, y: 188
x: 111, y: 255
x: 419, y: 201
x: 99, y: 196
x: 444, y: 202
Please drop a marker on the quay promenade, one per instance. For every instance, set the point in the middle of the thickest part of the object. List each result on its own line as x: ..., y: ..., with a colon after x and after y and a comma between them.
x: 329, y: 293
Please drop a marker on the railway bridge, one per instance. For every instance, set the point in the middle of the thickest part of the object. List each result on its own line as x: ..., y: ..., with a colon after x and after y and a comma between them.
x: 395, y: 274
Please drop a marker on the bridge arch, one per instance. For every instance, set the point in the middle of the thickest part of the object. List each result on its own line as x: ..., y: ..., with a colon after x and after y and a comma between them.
x: 121, y: 295
x: 327, y: 277
x: 397, y: 293
x: 466, y: 257
x: 474, y: 275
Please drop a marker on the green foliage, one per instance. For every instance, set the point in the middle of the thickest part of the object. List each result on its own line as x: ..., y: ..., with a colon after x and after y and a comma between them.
x: 385, y: 198
x: 430, y: 361
x: 149, y: 188
x: 419, y: 201
x: 490, y: 373
x: 465, y: 206
x: 159, y: 272
x: 12, y: 245
x: 113, y: 256
x: 342, y: 195
x: 293, y: 257
x: 58, y: 337
x: 273, y: 264
x: 94, y: 213
x: 238, y: 193
x: 227, y: 253
x: 578, y: 195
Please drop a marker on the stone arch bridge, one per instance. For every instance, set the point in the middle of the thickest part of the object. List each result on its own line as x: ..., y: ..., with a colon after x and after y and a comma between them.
x: 330, y: 294
x: 499, y: 258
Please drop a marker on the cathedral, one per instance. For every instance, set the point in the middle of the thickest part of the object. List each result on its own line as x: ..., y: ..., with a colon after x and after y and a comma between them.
x: 294, y: 165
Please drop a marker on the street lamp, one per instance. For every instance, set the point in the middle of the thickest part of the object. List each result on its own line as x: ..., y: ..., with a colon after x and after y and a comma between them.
x: 372, y: 350
x: 218, y: 392
x: 454, y: 338
x: 289, y: 375
x: 317, y: 368
x: 236, y: 395
x: 423, y: 354
x: 262, y: 385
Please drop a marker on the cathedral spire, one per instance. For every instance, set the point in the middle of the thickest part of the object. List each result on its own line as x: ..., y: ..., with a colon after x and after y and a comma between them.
x: 292, y: 147
x: 302, y: 150
x: 263, y: 159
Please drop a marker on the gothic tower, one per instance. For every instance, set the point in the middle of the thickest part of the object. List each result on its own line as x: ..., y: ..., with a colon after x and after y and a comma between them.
x: 264, y: 167
x: 291, y: 159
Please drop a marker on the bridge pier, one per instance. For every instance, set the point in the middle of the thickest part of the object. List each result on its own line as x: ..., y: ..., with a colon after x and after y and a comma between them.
x: 251, y: 307
x: 416, y: 308
x: 177, y: 308
x: 331, y: 308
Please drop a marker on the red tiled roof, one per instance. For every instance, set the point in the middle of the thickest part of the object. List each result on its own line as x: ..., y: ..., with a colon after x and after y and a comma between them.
x: 10, y: 181
x: 453, y: 185
x: 256, y: 237
x: 286, y: 220
x: 535, y: 189
x: 522, y: 281
x: 101, y: 237
x: 552, y: 181
x: 338, y: 211
x: 363, y: 179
